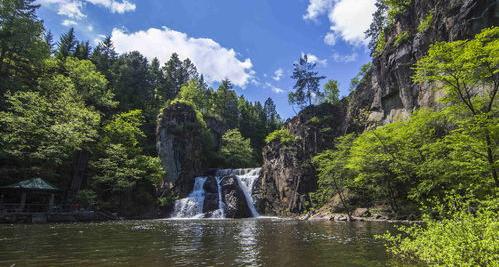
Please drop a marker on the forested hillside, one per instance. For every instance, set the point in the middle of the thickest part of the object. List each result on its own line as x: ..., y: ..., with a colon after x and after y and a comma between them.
x: 84, y: 118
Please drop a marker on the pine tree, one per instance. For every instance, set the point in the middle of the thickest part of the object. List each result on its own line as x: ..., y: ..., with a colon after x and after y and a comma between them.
x: 22, y: 45
x: 82, y: 50
x: 67, y: 44
x: 104, y: 56
x: 307, y: 82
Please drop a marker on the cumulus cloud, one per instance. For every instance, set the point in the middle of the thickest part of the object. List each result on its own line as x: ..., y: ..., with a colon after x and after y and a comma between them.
x: 349, y: 18
x: 74, y: 8
x: 315, y: 59
x: 278, y: 74
x: 317, y: 8
x: 211, y: 59
x: 344, y: 58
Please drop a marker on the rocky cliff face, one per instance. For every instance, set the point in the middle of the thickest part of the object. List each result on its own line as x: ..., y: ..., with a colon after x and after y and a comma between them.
x: 180, y: 146
x: 386, y: 94
x: 287, y: 174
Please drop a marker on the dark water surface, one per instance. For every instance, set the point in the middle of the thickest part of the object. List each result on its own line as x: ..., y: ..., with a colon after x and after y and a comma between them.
x: 262, y: 242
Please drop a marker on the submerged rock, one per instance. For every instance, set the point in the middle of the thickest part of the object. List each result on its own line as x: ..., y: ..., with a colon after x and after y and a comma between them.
x: 234, y: 199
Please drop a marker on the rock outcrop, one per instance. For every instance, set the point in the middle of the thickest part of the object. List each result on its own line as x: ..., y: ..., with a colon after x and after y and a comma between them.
x: 211, y: 195
x: 386, y: 94
x: 234, y: 199
x: 180, y: 146
x: 287, y: 174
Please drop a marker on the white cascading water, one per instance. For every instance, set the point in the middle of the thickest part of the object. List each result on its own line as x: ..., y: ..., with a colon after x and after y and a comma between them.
x: 192, y: 205
x: 246, y: 179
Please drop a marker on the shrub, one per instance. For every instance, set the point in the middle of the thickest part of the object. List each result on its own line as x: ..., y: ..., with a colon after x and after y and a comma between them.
x: 401, y: 38
x: 283, y: 136
x: 425, y: 23
x: 380, y: 44
x: 461, y: 238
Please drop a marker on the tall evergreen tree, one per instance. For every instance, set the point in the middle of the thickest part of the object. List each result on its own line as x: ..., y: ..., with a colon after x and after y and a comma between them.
x: 104, y: 56
x: 82, y: 50
x: 176, y: 74
x: 307, y: 82
x: 22, y: 45
x: 67, y: 44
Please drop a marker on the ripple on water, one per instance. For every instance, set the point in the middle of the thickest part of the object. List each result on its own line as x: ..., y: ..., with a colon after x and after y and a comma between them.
x: 255, y: 242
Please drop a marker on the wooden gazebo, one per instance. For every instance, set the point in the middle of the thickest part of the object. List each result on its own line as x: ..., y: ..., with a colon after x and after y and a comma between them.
x: 35, y: 186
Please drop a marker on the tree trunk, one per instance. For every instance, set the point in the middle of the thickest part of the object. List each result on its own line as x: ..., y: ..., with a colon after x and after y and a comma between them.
x: 80, y: 164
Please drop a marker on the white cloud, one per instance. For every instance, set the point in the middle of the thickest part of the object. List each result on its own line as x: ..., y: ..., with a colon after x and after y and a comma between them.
x: 317, y: 8
x: 330, y: 38
x: 69, y: 23
x: 115, y: 6
x: 315, y: 59
x: 73, y: 9
x: 344, y: 58
x: 349, y: 18
x: 278, y: 74
x: 211, y: 59
x: 274, y: 88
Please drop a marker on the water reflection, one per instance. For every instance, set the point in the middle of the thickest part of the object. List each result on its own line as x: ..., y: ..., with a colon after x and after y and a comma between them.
x: 194, y: 243
x: 248, y: 235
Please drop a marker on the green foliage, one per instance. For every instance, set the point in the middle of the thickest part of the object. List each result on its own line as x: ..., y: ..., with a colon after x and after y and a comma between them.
x: 194, y: 93
x: 461, y: 68
x: 334, y: 177
x: 51, y: 128
x: 124, y: 129
x: 90, y: 84
x: 466, y: 234
x: 283, y: 136
x: 396, y: 8
x: 332, y: 92
x: 22, y: 45
x: 401, y: 38
x: 236, y: 150
x: 380, y: 44
x: 86, y: 198
x: 122, y: 172
x: 425, y: 23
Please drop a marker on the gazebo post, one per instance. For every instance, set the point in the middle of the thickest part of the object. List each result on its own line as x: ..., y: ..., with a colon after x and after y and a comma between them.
x: 23, y: 200
x: 51, y: 202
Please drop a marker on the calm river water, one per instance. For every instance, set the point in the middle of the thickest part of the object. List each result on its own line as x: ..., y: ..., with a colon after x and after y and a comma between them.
x: 262, y: 242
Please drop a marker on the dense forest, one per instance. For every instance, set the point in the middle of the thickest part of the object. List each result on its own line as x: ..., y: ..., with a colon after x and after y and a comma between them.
x: 84, y: 118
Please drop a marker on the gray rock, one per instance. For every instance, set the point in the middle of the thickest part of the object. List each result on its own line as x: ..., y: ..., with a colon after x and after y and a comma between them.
x: 361, y: 212
x: 235, y: 205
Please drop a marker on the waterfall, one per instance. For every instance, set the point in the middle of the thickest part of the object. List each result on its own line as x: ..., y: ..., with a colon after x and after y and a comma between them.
x: 192, y: 205
x: 246, y: 179
x: 220, y: 212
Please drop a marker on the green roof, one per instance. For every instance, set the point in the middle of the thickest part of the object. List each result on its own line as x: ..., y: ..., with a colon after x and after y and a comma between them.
x: 33, y: 184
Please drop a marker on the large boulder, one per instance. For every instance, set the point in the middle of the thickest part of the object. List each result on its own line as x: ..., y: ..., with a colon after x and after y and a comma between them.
x: 211, y: 195
x: 234, y: 199
x: 180, y: 146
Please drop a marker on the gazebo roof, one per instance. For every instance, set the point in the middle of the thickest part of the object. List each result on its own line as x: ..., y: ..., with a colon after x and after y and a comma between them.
x: 33, y: 184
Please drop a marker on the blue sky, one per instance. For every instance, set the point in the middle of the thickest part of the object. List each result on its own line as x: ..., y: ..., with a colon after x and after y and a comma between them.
x: 253, y: 43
